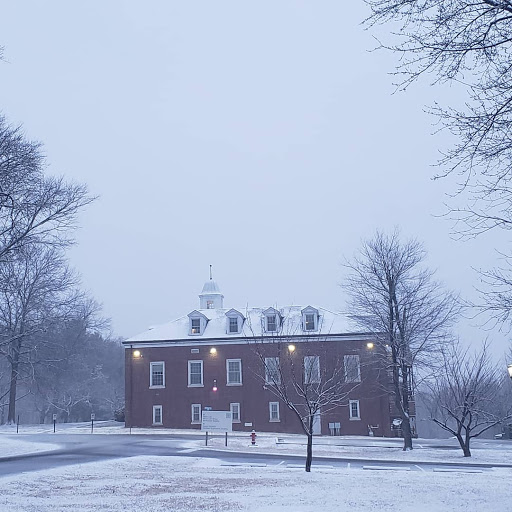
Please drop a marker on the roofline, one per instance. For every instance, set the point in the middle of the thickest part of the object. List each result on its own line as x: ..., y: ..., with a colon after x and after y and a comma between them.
x: 238, y: 340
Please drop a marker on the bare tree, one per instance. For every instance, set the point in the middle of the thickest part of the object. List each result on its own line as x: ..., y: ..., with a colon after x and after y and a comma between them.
x: 36, y: 289
x: 467, y: 42
x: 34, y: 208
x: 302, y: 373
x: 308, y: 384
x: 465, y: 395
x: 393, y: 295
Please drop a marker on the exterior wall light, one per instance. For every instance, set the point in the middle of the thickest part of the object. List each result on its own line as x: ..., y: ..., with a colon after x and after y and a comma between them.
x: 370, y: 345
x: 213, y: 351
x: 509, y: 369
x: 136, y: 354
x: 214, y: 385
x: 291, y: 348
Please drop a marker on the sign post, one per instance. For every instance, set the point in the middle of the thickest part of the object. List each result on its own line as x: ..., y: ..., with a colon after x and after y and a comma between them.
x: 54, y: 421
x: 216, y: 421
x: 92, y: 422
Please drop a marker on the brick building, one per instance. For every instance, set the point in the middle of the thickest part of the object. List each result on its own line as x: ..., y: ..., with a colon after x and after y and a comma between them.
x: 218, y: 359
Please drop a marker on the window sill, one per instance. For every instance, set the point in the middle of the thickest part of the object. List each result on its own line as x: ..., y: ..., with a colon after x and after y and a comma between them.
x: 274, y: 421
x: 234, y: 384
x: 196, y: 385
x: 195, y: 423
x: 236, y: 421
x: 156, y: 387
x: 157, y: 424
x: 354, y: 419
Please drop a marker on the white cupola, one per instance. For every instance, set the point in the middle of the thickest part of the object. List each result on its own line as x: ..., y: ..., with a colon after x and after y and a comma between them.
x: 210, y: 297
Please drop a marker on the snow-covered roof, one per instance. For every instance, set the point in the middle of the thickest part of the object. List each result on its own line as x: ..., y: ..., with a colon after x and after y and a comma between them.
x: 329, y: 323
x: 211, y: 288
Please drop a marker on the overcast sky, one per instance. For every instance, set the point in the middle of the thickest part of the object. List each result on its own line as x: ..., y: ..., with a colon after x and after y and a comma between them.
x: 261, y: 137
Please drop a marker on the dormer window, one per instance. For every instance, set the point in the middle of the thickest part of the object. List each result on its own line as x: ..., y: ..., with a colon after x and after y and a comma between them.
x: 195, y: 326
x: 197, y: 323
x: 235, y: 321
x: 310, y: 319
x: 271, y: 320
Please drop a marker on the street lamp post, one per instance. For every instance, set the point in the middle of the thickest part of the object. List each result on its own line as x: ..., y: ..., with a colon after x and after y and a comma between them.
x: 134, y: 354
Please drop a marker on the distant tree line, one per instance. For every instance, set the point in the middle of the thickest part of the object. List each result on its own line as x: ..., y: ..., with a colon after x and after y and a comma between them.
x: 53, y: 356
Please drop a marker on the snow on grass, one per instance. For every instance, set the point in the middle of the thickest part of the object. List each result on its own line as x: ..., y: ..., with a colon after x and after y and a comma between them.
x: 373, y: 450
x: 10, y: 447
x: 152, y: 484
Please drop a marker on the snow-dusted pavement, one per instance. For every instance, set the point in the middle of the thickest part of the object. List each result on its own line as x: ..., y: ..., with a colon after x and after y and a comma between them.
x: 177, y: 484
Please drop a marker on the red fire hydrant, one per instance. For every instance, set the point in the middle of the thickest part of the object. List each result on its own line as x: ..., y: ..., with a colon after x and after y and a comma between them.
x: 253, y: 437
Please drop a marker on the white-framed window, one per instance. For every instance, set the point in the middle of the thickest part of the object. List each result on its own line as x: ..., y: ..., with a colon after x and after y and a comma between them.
x: 235, y: 412
x: 195, y: 374
x: 352, y: 368
x: 157, y: 415
x: 234, y: 372
x: 197, y: 323
x: 209, y: 304
x: 196, y: 413
x: 273, y: 409
x: 309, y: 322
x: 233, y: 324
x: 234, y: 321
x: 310, y: 319
x: 157, y: 374
x: 353, y: 410
x: 195, y: 326
x: 311, y: 369
x: 272, y: 370
x: 271, y: 323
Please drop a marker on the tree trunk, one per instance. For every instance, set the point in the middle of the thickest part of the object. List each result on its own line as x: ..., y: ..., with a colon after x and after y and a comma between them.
x: 15, y: 363
x: 465, y: 449
x: 402, y: 408
x: 464, y: 444
x: 309, y: 455
x: 406, y: 419
x: 11, y: 413
x: 407, y: 433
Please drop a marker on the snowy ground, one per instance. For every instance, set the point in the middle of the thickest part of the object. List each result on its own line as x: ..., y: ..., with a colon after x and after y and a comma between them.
x: 494, y: 452
x: 378, y: 449
x: 10, y: 446
x: 152, y: 484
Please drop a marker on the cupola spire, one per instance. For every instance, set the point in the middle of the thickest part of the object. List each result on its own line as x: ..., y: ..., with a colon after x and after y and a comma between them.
x: 211, y: 297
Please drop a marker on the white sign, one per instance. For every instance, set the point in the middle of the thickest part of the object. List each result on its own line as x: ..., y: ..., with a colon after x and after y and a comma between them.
x: 217, y: 421
x: 54, y: 417
x: 93, y: 416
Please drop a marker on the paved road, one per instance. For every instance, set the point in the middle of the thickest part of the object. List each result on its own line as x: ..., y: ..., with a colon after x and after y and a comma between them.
x: 83, y: 448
